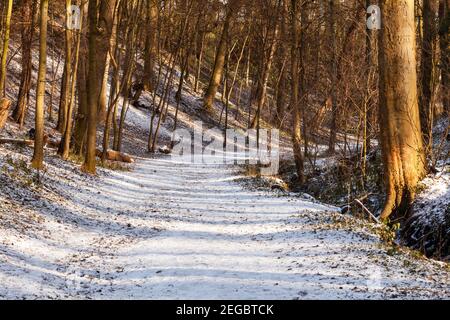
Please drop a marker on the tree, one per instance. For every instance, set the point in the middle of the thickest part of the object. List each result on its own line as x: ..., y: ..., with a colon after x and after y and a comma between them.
x: 267, y: 56
x: 28, y: 9
x: 334, y: 70
x: 64, y: 147
x: 7, y: 28
x: 216, y: 76
x: 427, y: 67
x: 282, y: 62
x: 400, y: 136
x: 295, y: 82
x: 100, y: 17
x: 38, y: 156
x: 80, y: 126
x: 65, y: 86
x: 150, y: 46
x: 444, y: 30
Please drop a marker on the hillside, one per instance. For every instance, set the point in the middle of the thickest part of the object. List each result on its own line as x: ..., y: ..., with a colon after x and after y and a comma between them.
x: 171, y: 226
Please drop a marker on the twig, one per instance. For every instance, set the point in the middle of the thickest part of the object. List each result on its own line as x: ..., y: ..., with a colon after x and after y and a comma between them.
x: 367, y: 211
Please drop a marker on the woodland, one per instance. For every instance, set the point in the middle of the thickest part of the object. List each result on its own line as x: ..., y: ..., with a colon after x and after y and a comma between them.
x: 92, y: 205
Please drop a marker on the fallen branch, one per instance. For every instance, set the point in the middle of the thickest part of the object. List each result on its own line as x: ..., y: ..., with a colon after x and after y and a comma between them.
x: 371, y: 215
x: 22, y: 142
x: 115, y: 156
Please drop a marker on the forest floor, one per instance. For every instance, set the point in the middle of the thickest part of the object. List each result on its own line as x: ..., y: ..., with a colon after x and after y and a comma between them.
x: 172, y: 230
x: 166, y: 228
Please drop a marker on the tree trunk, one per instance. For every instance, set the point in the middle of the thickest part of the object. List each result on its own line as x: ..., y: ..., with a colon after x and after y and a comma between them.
x: 62, y: 109
x: 216, y: 75
x: 150, y: 46
x: 65, y: 87
x: 28, y: 12
x: 103, y: 99
x: 100, y: 28
x: 295, y: 81
x: 198, y: 72
x: 64, y: 147
x: 7, y: 28
x: 400, y: 136
x: 266, y: 65
x: 304, y: 94
x: 444, y: 28
x: 38, y: 156
x: 80, y: 128
x: 332, y: 32
x: 114, y: 90
x: 427, y: 59
x: 130, y: 65
x: 369, y: 103
x: 282, y: 81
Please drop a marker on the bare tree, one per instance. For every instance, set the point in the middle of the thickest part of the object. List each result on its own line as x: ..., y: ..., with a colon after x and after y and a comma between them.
x: 100, y: 16
x: 38, y: 156
x: 7, y: 27
x: 216, y: 76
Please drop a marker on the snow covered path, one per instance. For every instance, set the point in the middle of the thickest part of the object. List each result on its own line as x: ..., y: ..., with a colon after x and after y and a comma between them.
x: 176, y: 230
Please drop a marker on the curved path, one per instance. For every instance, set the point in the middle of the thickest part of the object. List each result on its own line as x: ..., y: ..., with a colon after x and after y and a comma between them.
x: 176, y: 230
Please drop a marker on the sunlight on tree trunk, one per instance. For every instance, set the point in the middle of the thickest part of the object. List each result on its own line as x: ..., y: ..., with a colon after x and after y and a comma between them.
x: 400, y: 135
x: 38, y: 156
x: 7, y: 28
x: 100, y: 28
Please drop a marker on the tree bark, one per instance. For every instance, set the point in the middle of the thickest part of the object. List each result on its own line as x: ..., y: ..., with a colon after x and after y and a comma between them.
x: 65, y: 87
x: 295, y: 81
x: 427, y: 59
x: 216, y: 75
x: 201, y: 45
x: 100, y: 28
x: 64, y: 147
x: 334, y: 71
x: 282, y: 81
x: 7, y: 28
x: 266, y: 66
x: 103, y: 99
x: 38, y: 156
x: 150, y: 46
x: 80, y: 128
x: 444, y: 44
x: 400, y: 136
x: 62, y: 109
x: 28, y: 12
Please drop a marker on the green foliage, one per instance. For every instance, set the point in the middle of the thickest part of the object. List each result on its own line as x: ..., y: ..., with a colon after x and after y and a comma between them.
x: 388, y: 233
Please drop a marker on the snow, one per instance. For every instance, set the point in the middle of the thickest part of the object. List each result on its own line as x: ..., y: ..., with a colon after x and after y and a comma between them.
x: 170, y: 229
x: 429, y: 227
